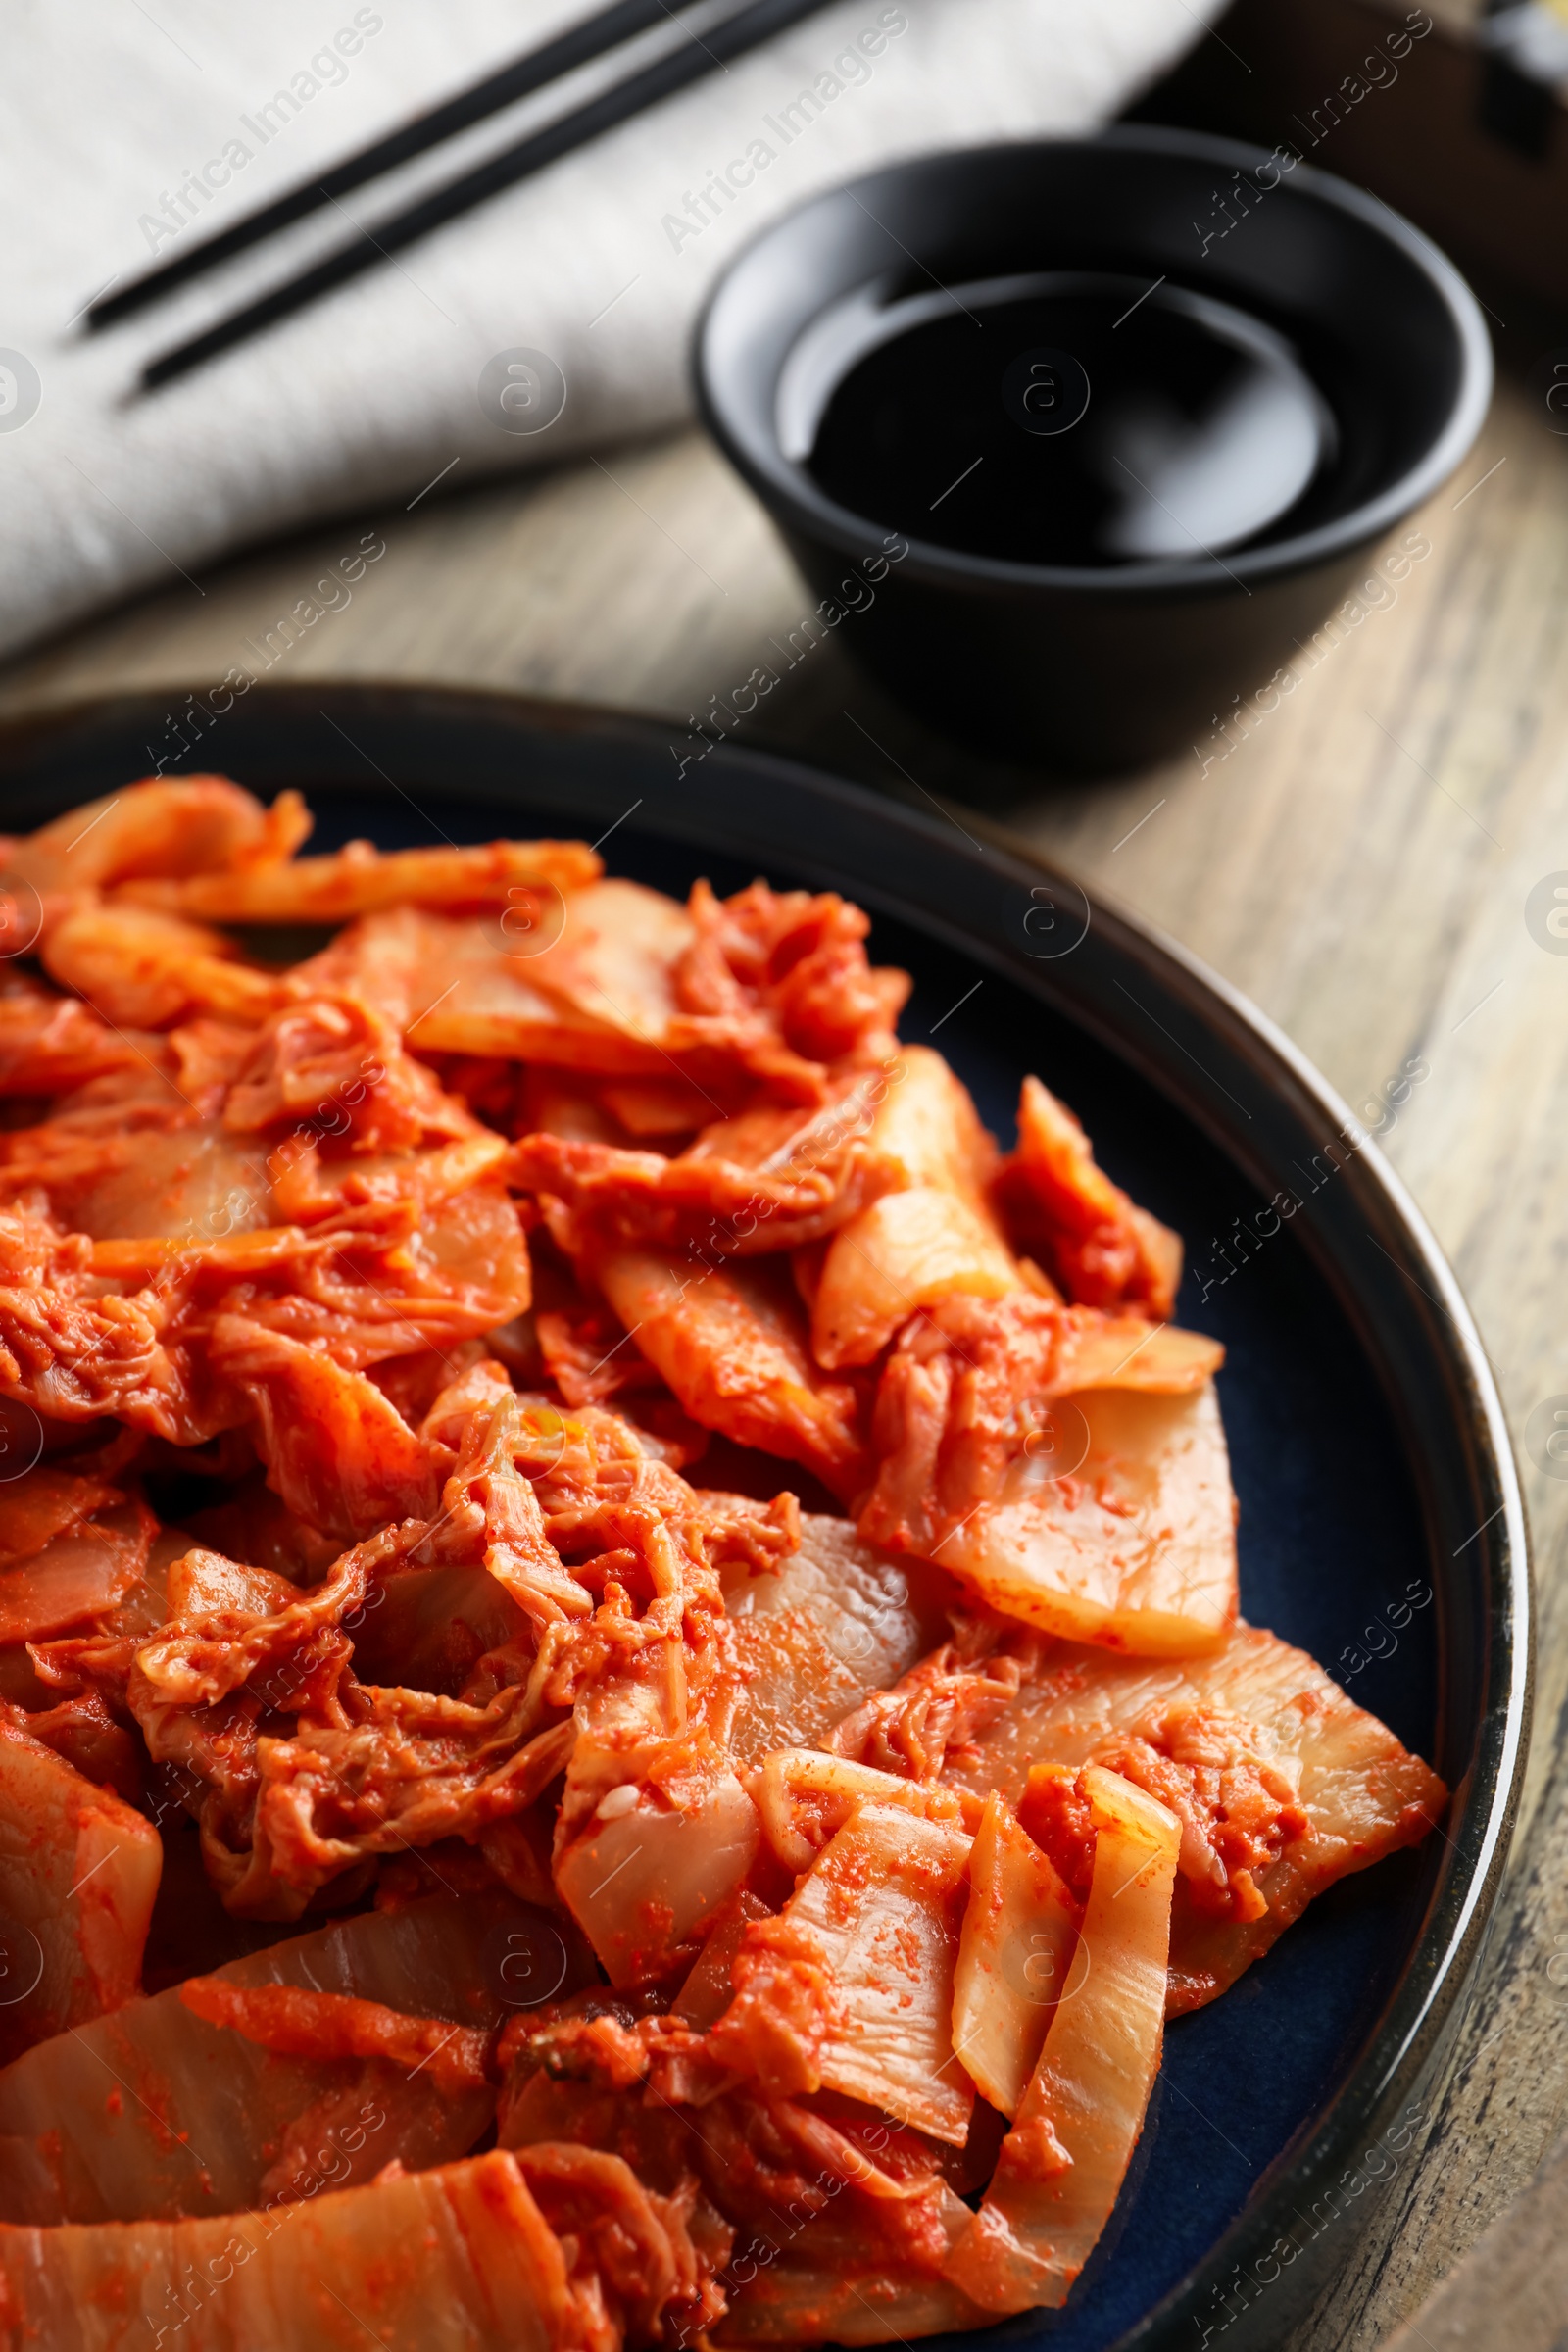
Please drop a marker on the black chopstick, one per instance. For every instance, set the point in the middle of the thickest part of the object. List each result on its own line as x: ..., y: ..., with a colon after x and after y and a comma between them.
x: 745, y: 31
x: 578, y: 45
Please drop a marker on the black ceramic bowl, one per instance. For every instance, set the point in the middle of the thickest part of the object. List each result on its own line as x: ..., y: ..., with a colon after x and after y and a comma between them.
x: 1099, y: 666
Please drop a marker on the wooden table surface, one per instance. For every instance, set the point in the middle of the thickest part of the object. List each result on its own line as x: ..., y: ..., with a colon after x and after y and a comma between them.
x: 1358, y: 864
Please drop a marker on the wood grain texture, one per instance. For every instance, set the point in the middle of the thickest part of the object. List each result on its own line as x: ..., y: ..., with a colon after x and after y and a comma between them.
x: 1359, y: 863
x: 1510, y: 2291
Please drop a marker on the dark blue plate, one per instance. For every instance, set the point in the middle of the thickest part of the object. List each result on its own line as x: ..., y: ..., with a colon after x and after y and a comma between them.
x: 1367, y: 1443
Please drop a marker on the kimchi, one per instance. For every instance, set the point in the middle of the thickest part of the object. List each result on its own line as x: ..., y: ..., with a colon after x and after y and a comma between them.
x: 623, y: 1720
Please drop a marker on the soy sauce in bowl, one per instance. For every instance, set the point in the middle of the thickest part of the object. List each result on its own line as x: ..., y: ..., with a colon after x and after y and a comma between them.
x: 1081, y: 479
x: 1067, y: 418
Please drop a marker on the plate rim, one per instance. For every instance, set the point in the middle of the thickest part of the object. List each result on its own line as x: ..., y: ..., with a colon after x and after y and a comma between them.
x: 1424, y: 2005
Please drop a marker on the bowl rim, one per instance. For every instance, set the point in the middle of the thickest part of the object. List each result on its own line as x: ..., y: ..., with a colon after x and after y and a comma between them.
x: 1405, y: 1295
x: 800, y: 508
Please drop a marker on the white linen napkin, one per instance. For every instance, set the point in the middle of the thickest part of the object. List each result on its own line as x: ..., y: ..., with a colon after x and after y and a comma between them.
x: 134, y: 126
